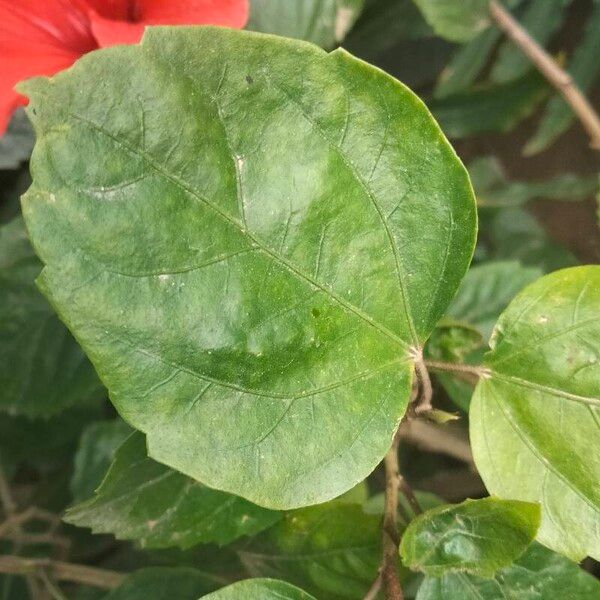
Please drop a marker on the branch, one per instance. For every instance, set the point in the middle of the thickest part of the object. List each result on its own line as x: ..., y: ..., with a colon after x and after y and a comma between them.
x: 458, y: 368
x: 61, y: 571
x: 426, y: 389
x: 557, y: 77
x: 390, y: 538
x: 434, y: 438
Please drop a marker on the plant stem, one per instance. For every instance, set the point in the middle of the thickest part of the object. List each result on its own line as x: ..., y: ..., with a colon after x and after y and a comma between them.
x: 548, y: 67
x: 424, y: 402
x: 408, y: 493
x: 61, y: 571
x: 389, y: 558
x: 475, y: 370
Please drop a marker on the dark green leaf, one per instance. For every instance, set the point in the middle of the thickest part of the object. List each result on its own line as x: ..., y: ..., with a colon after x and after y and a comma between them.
x: 16, y: 144
x: 489, y: 107
x: 143, y: 500
x: 535, y: 419
x: 97, y: 446
x: 322, y: 22
x: 251, y: 284
x: 514, y: 234
x: 260, y: 589
x: 477, y: 537
x: 539, y: 574
x: 163, y: 583
x: 456, y: 21
x: 494, y: 189
x: 42, y: 369
x: 487, y: 290
x: 584, y: 68
x: 331, y: 550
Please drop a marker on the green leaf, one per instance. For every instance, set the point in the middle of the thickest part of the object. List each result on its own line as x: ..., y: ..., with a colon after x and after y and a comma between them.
x: 97, y: 446
x: 322, y: 22
x: 478, y: 537
x: 16, y: 144
x: 487, y: 290
x: 535, y: 420
x: 42, y: 369
x: 494, y: 189
x: 143, y: 500
x: 163, y: 583
x: 249, y: 283
x: 541, y: 18
x: 538, y: 574
x: 260, y: 589
x: 331, y: 550
x: 456, y: 21
x: 466, y: 64
x: 584, y: 68
x: 485, y: 108
x: 383, y: 24
x: 513, y: 233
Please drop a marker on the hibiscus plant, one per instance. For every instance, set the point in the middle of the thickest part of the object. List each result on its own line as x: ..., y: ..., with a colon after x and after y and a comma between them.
x: 251, y: 346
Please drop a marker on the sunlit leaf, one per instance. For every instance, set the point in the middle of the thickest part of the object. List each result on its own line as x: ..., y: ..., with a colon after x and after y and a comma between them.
x: 260, y: 589
x: 535, y: 419
x: 252, y: 279
x: 477, y: 537
x: 538, y: 574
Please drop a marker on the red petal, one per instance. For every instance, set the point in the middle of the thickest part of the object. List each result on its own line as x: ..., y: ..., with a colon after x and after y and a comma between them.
x: 109, y: 32
x: 38, y: 37
x: 112, y: 9
x: 229, y: 13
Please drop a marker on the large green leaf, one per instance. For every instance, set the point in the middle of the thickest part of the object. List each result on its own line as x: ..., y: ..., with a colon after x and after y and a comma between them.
x: 97, y: 446
x: 143, y: 500
x: 539, y: 574
x: 260, y: 589
x: 331, y: 550
x: 477, y: 537
x: 252, y: 282
x: 322, y: 22
x: 163, y: 583
x: 535, y: 419
x: 42, y: 369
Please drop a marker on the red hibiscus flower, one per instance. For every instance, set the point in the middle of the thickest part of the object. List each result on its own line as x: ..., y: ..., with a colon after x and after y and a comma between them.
x: 41, y: 37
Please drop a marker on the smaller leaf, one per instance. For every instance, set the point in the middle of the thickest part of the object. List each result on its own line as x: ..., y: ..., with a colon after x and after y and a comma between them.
x: 488, y: 108
x: 332, y: 550
x: 144, y: 500
x: 163, y: 583
x: 260, y: 589
x: 97, y: 446
x: 476, y: 536
x: 539, y: 574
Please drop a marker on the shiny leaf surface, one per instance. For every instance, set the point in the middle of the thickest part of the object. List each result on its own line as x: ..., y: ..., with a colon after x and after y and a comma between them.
x: 534, y: 422
x: 250, y: 282
x: 477, y: 537
x: 260, y: 589
x: 539, y: 574
x: 143, y: 500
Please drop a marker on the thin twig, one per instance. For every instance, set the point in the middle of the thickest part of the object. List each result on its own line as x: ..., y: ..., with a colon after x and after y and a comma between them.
x: 443, y: 439
x: 426, y: 389
x: 61, y: 571
x: 548, y: 67
x: 408, y: 493
x: 390, y: 538
x: 449, y: 367
x: 374, y: 589
x: 8, y: 504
